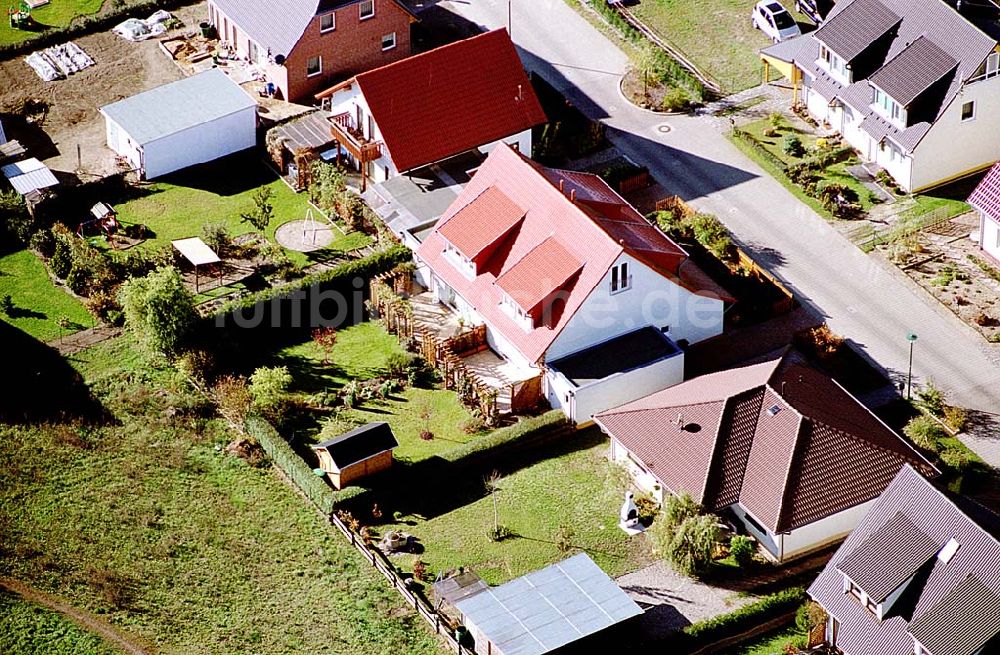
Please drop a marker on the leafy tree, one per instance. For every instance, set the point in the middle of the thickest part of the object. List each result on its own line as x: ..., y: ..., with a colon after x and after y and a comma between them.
x: 269, y: 388
x: 678, y: 509
x: 327, y: 184
x: 262, y: 212
x: 159, y: 309
x: 690, y: 550
x: 325, y: 338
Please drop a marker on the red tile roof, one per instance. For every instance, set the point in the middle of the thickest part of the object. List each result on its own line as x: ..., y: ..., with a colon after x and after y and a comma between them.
x: 482, y: 222
x: 451, y: 99
x: 544, y: 270
x: 986, y: 196
x: 592, y: 239
x: 782, y: 439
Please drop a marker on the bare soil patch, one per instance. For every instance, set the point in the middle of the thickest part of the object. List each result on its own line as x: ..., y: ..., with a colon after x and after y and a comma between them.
x: 73, y: 121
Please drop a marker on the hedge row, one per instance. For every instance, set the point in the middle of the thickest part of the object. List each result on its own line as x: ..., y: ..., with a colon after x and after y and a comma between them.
x: 493, y: 443
x: 84, y: 25
x: 759, y: 148
x: 292, y: 465
x: 671, y: 69
x: 378, y: 262
x: 745, y: 618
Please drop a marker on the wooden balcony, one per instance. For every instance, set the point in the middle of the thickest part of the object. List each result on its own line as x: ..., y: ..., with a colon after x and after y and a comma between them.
x: 343, y: 129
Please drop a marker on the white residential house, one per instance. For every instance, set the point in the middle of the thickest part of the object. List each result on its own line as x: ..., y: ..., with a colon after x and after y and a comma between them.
x: 463, y: 96
x: 912, y: 85
x: 778, y: 446
x: 571, y: 280
x: 986, y: 200
x: 191, y: 121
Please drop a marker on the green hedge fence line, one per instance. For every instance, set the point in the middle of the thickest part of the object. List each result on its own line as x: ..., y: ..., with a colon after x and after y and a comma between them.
x: 745, y: 618
x: 498, y: 440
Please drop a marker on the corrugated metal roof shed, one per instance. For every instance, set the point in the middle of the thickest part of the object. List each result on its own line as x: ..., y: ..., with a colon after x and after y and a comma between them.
x: 549, y: 608
x: 179, y: 106
x: 29, y: 175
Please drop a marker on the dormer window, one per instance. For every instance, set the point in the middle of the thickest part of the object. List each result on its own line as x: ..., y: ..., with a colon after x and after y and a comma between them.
x: 889, y: 108
x: 834, y: 64
x: 620, y: 277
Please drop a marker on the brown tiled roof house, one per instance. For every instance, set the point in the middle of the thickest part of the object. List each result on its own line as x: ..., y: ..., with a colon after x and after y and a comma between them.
x: 794, y: 456
x: 920, y: 574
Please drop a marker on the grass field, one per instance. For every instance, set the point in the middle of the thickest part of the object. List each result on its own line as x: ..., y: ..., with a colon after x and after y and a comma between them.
x: 38, y: 303
x: 148, y: 523
x: 715, y: 34
x: 58, y: 13
x: 569, y: 487
x: 27, y: 629
x: 772, y: 643
x: 180, y: 205
x: 361, y: 353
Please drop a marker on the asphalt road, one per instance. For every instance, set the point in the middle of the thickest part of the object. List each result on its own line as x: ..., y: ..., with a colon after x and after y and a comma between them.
x: 859, y: 297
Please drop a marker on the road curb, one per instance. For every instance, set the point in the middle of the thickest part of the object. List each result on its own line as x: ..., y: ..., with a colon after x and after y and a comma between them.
x: 621, y: 92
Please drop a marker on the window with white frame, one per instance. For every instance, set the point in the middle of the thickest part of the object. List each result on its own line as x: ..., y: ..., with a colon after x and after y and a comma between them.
x: 366, y: 9
x: 620, y: 277
x: 834, y: 64
x: 888, y: 107
x: 389, y: 41
x: 328, y: 22
x: 314, y: 66
x: 968, y: 110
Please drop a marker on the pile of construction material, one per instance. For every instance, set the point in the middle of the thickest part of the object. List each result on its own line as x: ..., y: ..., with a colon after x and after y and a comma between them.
x: 135, y: 29
x: 59, y: 61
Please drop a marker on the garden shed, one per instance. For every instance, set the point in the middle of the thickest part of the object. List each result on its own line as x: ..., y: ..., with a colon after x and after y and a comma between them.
x: 361, y: 452
x: 191, y: 121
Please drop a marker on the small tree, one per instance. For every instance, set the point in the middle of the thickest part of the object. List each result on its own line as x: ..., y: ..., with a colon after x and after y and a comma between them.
x: 690, y: 550
x: 269, y: 388
x: 931, y: 399
x: 159, y: 309
x: 233, y: 399
x: 678, y: 509
x: 742, y: 549
x: 792, y: 146
x: 492, y: 484
x: 325, y: 338
x: 646, y: 62
x: 262, y: 212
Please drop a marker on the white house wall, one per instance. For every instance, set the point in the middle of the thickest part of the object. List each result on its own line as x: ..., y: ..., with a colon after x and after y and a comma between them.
x: 201, y: 143
x: 989, y: 237
x: 951, y: 146
x: 619, y: 388
x: 640, y: 475
x: 121, y: 142
x: 809, y: 537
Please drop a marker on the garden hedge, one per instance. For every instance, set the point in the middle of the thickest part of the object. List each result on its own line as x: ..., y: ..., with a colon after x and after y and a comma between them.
x: 298, y: 471
x: 504, y: 438
x: 745, y: 618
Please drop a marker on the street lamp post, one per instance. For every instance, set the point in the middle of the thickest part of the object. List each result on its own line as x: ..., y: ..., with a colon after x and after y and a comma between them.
x: 912, y: 338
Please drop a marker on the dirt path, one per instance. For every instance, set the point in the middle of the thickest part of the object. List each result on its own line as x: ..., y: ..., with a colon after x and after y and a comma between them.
x: 74, y: 343
x: 111, y: 634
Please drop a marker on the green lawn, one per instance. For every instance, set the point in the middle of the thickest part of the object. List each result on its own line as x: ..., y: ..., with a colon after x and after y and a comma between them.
x: 772, y: 643
x: 578, y: 489
x: 27, y: 629
x: 57, y: 13
x: 38, y: 303
x: 361, y: 353
x: 180, y: 205
x: 715, y: 34
x: 146, y: 521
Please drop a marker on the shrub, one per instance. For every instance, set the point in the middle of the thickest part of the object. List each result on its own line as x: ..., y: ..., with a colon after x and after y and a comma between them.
x: 675, y: 99
x: 742, y: 548
x: 499, y: 533
x: 672, y: 223
x: 564, y: 538
x: 931, y: 399
x: 678, y: 509
x: 646, y: 508
x: 104, y: 305
x: 397, y: 363
x: 473, y: 425
x: 159, y: 309
x: 956, y: 458
x: 269, y: 388
x: 809, y: 616
x: 711, y: 233
x: 7, y: 305
x: 62, y: 258
x: 198, y: 364
x: 419, y: 570
x: 955, y: 417
x: 775, y: 120
x: 233, y: 399
x: 792, y: 146
x: 693, y: 541
x: 216, y: 236
x: 925, y: 432
x: 43, y: 243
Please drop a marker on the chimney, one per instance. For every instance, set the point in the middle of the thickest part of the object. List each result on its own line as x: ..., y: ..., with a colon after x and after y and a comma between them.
x: 572, y: 195
x: 562, y: 183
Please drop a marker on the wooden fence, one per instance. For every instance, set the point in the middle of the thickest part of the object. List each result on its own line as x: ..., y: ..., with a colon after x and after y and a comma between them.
x: 456, y: 375
x: 640, y: 180
x: 526, y: 395
x: 381, y: 563
x: 469, y: 342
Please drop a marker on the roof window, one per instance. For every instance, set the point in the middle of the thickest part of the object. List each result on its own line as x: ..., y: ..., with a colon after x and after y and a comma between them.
x: 948, y: 551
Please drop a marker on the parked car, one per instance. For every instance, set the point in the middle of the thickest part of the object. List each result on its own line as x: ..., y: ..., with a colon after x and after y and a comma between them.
x: 816, y: 10
x: 774, y: 20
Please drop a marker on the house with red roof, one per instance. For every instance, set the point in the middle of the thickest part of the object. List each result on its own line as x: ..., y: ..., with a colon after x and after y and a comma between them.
x: 304, y: 46
x: 570, y: 280
x: 434, y: 106
x: 986, y: 200
x: 779, y: 447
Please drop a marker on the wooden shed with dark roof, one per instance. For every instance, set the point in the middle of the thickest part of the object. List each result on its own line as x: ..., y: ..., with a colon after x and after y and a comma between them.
x: 363, y: 451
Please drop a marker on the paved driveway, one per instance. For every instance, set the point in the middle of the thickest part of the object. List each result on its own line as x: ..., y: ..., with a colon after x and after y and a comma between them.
x: 859, y: 297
